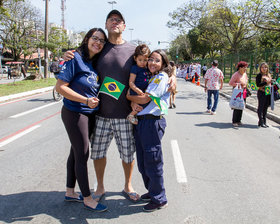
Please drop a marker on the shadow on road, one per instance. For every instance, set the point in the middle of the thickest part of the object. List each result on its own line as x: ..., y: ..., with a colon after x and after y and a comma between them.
x: 221, y: 125
x: 191, y: 113
x: 42, y: 100
x: 25, y: 206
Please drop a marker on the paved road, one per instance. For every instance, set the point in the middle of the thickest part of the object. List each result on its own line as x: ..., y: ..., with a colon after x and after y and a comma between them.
x: 214, y: 173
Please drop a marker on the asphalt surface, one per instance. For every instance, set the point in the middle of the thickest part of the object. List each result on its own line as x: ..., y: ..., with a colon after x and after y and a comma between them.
x: 227, y: 175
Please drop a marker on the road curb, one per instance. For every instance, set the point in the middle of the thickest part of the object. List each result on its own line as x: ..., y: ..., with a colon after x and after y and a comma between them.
x: 23, y: 94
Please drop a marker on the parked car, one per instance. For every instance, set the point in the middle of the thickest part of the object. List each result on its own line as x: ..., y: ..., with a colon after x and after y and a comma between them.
x: 4, y: 69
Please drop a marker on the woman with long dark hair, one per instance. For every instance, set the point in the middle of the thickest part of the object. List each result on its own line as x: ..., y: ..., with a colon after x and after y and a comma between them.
x: 263, y: 79
x: 78, y: 83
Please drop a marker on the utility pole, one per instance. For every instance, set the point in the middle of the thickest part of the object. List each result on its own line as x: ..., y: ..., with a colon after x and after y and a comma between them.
x: 46, y: 40
x: 38, y: 50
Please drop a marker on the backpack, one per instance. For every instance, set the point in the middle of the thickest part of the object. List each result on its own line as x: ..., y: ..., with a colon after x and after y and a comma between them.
x: 55, y: 68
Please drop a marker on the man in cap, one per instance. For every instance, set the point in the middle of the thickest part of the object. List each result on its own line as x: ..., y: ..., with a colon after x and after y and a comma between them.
x: 213, y: 77
x: 115, y: 61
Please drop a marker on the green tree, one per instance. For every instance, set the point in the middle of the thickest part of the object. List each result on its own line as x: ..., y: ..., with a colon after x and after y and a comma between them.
x: 17, y: 27
x: 188, y: 15
x: 58, y: 41
x: 199, y: 47
x: 231, y: 22
x: 269, y: 39
x: 3, y: 8
x: 225, y: 22
x: 210, y: 38
x: 265, y: 14
x: 180, y: 47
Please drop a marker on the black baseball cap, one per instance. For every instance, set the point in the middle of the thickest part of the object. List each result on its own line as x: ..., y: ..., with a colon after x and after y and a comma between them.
x: 115, y: 12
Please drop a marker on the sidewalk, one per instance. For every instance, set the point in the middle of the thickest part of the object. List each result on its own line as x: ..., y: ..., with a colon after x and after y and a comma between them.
x: 252, y: 102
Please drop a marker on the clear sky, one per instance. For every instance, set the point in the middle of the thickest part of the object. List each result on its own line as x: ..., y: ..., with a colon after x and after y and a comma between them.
x: 147, y: 18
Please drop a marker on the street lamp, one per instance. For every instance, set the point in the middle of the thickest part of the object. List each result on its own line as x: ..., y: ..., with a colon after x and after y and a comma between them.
x: 112, y: 3
x: 131, y: 29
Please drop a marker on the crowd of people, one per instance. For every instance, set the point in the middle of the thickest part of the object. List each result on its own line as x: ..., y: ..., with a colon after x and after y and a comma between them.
x: 190, y: 71
x: 214, y: 82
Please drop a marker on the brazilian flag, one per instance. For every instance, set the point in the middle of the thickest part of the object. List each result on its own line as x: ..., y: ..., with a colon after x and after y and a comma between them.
x: 267, y: 90
x: 111, y: 87
x: 161, y: 104
x: 253, y: 86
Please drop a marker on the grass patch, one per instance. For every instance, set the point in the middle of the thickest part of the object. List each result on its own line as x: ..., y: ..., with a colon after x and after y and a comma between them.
x: 25, y: 85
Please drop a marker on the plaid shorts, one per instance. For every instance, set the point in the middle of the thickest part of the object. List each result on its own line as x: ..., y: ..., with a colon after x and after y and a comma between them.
x: 105, y: 130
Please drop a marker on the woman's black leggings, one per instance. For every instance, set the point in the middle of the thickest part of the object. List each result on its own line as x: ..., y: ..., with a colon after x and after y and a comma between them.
x: 77, y: 126
x: 263, y: 104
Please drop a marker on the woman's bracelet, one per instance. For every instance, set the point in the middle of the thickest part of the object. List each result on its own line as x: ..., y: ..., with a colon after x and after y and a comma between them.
x: 87, y: 101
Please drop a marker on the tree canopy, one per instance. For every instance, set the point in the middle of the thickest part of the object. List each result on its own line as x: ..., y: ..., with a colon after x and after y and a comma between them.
x: 221, y: 27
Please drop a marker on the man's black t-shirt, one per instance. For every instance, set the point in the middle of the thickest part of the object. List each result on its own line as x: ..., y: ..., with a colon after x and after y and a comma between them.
x: 115, y: 62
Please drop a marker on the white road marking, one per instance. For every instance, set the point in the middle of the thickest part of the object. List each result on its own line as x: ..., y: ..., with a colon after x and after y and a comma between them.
x: 31, y: 111
x: 11, y: 139
x: 179, y: 166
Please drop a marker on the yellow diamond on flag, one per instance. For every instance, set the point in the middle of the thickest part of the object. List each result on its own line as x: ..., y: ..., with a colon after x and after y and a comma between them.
x: 112, y: 87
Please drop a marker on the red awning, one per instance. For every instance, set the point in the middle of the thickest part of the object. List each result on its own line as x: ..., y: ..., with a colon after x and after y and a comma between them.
x: 14, y: 62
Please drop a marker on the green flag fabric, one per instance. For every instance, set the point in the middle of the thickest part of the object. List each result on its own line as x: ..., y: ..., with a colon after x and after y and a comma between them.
x: 160, y: 103
x: 111, y: 87
x: 253, y: 86
x: 267, y: 90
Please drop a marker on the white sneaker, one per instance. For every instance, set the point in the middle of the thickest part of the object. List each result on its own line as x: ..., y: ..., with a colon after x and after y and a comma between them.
x: 208, y: 111
x: 213, y: 112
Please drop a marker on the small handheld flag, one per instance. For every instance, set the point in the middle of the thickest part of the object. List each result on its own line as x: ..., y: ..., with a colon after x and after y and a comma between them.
x: 161, y: 104
x: 253, y: 86
x: 156, y: 100
x: 111, y: 87
x: 267, y: 90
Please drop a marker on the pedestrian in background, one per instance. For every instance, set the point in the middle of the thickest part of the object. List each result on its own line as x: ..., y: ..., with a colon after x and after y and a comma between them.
x: 204, y: 69
x: 173, y: 93
x: 263, y: 79
x: 78, y: 83
x: 23, y: 71
x: 214, y: 79
x: 9, y: 72
x: 239, y: 78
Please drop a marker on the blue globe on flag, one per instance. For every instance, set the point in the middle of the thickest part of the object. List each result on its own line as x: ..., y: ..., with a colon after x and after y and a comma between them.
x: 112, y: 86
